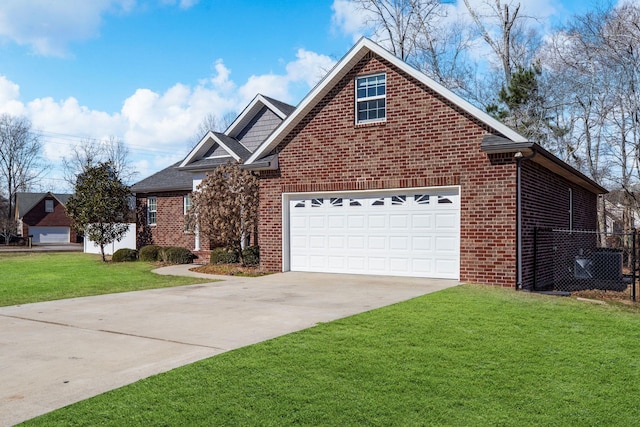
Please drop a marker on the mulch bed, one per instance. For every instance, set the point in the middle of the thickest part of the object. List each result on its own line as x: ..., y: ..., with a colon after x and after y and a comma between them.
x: 230, y: 270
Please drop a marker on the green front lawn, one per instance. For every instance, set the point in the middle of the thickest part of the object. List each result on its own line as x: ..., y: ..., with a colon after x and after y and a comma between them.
x: 26, y: 278
x: 467, y: 356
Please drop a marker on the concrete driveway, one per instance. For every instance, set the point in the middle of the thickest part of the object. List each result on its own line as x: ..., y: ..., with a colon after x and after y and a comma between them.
x: 56, y: 353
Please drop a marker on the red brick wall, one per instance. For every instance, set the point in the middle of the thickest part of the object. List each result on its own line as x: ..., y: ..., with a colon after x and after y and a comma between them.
x: 545, y: 204
x: 425, y: 141
x: 169, y: 227
x: 37, y: 217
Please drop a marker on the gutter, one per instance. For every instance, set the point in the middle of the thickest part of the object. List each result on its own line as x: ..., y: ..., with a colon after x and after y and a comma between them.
x: 519, y: 159
x: 268, y: 163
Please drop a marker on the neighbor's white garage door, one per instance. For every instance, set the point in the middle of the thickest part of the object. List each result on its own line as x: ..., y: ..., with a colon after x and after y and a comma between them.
x: 404, y: 233
x: 49, y: 234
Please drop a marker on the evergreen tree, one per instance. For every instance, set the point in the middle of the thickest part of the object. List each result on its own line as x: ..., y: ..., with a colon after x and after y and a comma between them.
x: 99, y: 207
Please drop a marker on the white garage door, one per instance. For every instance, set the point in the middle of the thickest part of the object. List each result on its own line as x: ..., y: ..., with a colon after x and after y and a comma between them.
x: 49, y: 234
x: 404, y: 233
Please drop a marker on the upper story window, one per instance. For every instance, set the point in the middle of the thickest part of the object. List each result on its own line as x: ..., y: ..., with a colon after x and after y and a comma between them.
x: 48, y: 205
x: 152, y: 210
x: 371, y: 98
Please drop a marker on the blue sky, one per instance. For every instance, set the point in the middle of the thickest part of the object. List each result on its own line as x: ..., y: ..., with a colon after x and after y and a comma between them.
x: 148, y: 71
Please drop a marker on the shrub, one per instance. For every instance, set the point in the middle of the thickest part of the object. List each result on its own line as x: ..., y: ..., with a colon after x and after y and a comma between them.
x: 251, y: 255
x: 177, y: 255
x: 223, y: 256
x: 150, y: 253
x: 125, y: 255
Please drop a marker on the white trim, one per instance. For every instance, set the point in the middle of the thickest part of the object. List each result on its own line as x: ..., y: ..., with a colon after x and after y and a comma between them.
x: 286, y: 198
x: 357, y: 52
x: 204, y: 145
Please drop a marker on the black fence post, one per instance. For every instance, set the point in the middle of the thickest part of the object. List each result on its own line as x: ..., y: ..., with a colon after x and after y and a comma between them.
x: 535, y: 259
x: 633, y: 266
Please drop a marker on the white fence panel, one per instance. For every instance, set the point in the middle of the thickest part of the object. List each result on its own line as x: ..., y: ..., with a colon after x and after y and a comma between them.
x: 128, y: 241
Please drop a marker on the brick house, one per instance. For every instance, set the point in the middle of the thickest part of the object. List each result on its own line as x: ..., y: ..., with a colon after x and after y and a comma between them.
x: 381, y: 170
x: 162, y: 200
x: 43, y: 215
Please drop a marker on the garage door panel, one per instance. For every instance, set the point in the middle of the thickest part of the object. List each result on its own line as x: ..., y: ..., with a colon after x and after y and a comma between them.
x: 377, y: 221
x: 447, y: 221
x: 377, y: 243
x: 446, y: 244
x: 355, y: 242
x: 336, y: 263
x: 398, y: 221
x: 420, y: 243
x: 316, y: 221
x: 316, y: 242
x: 399, y: 243
x: 356, y: 263
x: 336, y: 222
x: 336, y: 242
x: 50, y: 234
x: 399, y: 265
x: 423, y: 266
x: 422, y: 222
x: 356, y: 221
x: 407, y: 233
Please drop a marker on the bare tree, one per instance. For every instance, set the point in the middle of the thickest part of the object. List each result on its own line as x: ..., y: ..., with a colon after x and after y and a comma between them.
x: 595, y: 64
x: 209, y: 123
x: 21, y: 165
x: 225, y: 206
x: 399, y: 24
x: 8, y: 225
x: 502, y: 25
x: 90, y: 153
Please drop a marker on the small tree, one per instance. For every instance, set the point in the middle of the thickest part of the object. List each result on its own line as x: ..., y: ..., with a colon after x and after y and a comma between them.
x: 226, y: 206
x: 99, y: 206
x: 8, y: 225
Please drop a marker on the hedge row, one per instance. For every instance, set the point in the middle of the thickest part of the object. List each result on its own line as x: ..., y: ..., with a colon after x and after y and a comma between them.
x: 251, y: 255
x: 153, y: 253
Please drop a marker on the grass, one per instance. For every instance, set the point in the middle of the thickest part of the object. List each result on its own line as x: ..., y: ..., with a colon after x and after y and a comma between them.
x: 30, y: 278
x: 469, y: 356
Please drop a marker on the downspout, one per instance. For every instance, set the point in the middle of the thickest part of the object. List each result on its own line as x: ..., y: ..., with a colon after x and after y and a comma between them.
x: 519, y: 158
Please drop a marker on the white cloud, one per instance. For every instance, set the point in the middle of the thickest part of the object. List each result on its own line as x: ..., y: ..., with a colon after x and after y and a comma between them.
x: 49, y: 26
x: 349, y: 19
x: 158, y: 126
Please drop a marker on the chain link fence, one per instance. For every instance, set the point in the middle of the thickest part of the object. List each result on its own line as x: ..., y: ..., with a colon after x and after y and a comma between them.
x: 571, y: 261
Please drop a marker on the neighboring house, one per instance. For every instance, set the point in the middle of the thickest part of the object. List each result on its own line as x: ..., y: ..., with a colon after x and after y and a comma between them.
x: 381, y: 170
x: 163, y: 199
x: 43, y: 216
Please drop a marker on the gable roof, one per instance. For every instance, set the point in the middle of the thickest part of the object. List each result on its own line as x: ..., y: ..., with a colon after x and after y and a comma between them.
x: 343, y: 67
x: 281, y: 109
x: 168, y: 179
x: 227, y: 140
x: 232, y: 146
x: 27, y: 201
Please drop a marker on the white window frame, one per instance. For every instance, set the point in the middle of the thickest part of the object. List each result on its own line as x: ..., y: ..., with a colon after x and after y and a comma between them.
x: 152, y: 208
x: 48, y: 206
x: 369, y: 98
x: 186, y: 203
x: 189, y: 227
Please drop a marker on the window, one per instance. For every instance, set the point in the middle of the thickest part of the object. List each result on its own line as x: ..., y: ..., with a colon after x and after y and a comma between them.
x: 187, y: 203
x: 152, y: 209
x: 371, y: 100
x: 571, y: 209
x: 189, y: 223
x: 48, y: 205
